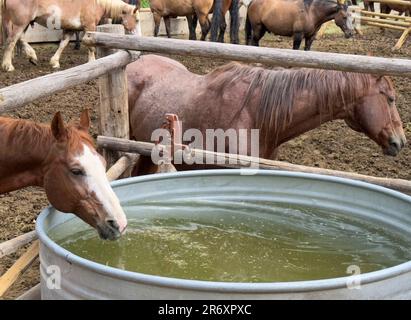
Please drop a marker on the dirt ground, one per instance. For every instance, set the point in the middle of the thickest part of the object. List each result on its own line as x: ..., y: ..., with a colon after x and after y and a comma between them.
x: 333, y: 145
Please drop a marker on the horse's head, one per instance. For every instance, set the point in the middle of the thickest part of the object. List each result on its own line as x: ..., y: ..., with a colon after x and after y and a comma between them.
x: 75, y: 179
x: 130, y: 16
x: 376, y: 115
x: 343, y: 19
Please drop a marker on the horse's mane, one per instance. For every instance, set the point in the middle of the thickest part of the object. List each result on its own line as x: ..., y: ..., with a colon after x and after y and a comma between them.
x: 38, y: 136
x: 279, y: 90
x: 113, y: 8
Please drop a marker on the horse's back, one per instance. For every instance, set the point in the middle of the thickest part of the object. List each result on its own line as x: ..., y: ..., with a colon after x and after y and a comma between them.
x: 178, y: 7
x: 281, y: 17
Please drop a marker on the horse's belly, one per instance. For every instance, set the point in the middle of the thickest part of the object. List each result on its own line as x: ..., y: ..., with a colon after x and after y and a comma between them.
x: 280, y: 28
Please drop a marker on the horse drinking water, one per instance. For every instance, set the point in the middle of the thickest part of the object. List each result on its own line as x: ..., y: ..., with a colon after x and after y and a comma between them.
x: 62, y: 159
x: 297, y: 18
x: 70, y: 16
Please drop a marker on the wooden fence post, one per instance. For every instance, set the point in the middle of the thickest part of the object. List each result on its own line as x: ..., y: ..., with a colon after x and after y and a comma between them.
x: 113, y: 109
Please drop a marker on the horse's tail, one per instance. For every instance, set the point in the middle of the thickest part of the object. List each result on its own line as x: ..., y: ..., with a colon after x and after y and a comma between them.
x: 234, y: 21
x: 217, y: 19
x: 248, y: 30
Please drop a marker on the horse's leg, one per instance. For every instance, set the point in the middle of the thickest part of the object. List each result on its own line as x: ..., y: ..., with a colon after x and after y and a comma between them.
x: 29, y: 51
x: 14, y: 33
x: 372, y: 6
x: 192, y: 26
x: 55, y: 60
x: 298, y: 37
x: 157, y: 21
x: 258, y: 32
x: 168, y: 26
x: 205, y: 25
x: 234, y: 21
x: 223, y: 27
x: 77, y: 45
x: 309, y: 41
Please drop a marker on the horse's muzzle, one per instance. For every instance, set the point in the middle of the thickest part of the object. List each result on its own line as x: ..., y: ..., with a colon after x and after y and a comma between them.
x: 394, y: 147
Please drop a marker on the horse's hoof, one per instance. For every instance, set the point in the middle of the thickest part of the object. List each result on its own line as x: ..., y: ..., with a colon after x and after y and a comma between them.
x: 7, y: 68
x: 55, y: 65
x: 33, y: 61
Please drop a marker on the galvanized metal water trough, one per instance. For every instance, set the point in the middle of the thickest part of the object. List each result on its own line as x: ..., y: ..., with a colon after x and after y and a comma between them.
x: 84, y: 279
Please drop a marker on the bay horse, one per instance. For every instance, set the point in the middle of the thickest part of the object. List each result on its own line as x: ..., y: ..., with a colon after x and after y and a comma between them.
x: 62, y: 159
x: 281, y: 103
x: 191, y: 9
x: 70, y: 16
x: 297, y: 18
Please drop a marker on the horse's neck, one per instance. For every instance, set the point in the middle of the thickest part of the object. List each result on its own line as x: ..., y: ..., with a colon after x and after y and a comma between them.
x: 26, y: 146
x: 309, y: 117
x: 322, y: 12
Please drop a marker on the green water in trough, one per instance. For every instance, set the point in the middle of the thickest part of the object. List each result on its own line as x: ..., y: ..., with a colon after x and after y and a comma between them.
x: 239, y: 242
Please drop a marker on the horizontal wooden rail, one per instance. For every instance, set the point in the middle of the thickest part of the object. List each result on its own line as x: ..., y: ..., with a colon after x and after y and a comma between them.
x: 387, y: 21
x: 145, y: 148
x: 17, y: 95
x: 385, y: 15
x: 11, y: 246
x: 384, y: 25
x: 270, y: 56
x: 401, y: 2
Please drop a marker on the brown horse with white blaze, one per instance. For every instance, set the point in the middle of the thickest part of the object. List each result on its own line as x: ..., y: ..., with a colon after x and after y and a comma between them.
x: 62, y: 159
x: 70, y: 16
x: 295, y: 18
x: 281, y: 103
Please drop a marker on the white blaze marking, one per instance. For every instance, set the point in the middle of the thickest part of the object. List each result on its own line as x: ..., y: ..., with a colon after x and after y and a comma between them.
x: 98, y: 183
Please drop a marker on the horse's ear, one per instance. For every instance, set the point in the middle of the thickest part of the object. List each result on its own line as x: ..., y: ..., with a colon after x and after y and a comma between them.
x: 58, y: 128
x: 85, y: 120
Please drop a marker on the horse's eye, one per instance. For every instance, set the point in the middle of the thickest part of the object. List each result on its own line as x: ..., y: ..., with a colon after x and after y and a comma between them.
x: 77, y: 172
x: 390, y: 99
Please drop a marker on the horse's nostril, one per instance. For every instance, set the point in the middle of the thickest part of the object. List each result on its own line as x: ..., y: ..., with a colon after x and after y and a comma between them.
x: 396, y: 145
x: 113, y: 224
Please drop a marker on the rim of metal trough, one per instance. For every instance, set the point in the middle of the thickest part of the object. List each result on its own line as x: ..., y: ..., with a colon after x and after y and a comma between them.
x: 274, y: 287
x: 269, y: 56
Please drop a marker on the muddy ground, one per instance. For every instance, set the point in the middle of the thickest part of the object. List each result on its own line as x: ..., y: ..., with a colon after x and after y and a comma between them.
x: 333, y: 145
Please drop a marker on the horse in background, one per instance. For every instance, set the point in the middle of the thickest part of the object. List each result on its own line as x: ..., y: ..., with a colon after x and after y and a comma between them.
x: 191, y: 9
x: 70, y: 16
x: 281, y: 103
x: 297, y: 18
x: 218, y: 22
x: 62, y: 159
x: 402, y: 9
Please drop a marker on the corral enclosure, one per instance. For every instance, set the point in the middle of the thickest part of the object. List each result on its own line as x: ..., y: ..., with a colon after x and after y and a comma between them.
x: 333, y: 145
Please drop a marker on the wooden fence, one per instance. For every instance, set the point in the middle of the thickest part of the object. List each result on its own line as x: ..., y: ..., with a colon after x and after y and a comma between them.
x: 113, y: 109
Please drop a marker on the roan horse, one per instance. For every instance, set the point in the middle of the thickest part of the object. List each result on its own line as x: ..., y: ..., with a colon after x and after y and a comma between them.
x: 61, y: 159
x: 70, y: 16
x: 281, y: 103
x: 298, y: 18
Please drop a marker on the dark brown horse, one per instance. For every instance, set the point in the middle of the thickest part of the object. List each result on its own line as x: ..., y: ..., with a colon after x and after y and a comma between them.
x: 281, y: 103
x: 218, y: 23
x: 297, y: 18
x: 62, y: 159
x: 69, y: 16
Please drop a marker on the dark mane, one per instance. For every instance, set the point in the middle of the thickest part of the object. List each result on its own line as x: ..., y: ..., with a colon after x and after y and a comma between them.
x: 280, y: 90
